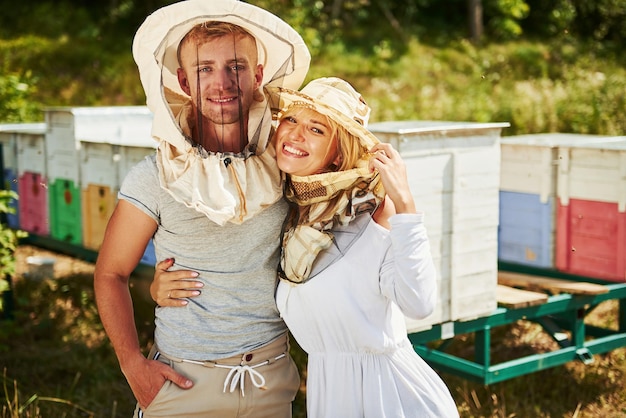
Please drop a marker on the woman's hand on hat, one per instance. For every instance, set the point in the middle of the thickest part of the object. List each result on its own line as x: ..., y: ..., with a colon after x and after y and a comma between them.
x: 172, y: 288
x: 388, y: 162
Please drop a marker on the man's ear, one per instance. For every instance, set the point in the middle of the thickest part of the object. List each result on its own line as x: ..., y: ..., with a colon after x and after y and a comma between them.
x: 183, y: 81
x: 258, y: 76
x: 258, y: 79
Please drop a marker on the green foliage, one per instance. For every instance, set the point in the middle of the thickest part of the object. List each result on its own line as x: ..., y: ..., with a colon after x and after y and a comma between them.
x: 560, y: 87
x: 550, y: 19
x: 408, y: 59
x: 9, y: 240
x: 43, y: 18
x: 17, y: 99
x: 75, y: 373
x: 602, y: 19
x: 74, y: 72
x: 506, y: 16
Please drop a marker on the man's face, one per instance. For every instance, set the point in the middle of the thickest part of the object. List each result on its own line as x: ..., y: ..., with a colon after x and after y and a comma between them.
x: 221, y: 76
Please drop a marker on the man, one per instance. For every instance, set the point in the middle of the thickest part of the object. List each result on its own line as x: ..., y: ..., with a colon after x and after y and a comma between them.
x: 211, y: 199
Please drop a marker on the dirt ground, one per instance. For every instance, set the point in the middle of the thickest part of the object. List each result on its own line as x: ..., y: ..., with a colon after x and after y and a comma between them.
x: 64, y: 265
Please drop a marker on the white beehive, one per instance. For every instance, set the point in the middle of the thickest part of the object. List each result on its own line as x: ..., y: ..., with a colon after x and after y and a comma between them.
x: 32, y: 181
x: 528, y: 192
x: 29, y: 138
x: 131, y: 155
x: 594, y: 171
x: 80, y: 140
x: 529, y: 162
x: 31, y: 149
x: 454, y: 172
x: 9, y: 136
x: 102, y: 155
x: 83, y: 148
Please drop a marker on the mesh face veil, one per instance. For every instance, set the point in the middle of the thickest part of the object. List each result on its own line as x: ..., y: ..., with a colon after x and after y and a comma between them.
x: 223, y: 168
x: 220, y: 60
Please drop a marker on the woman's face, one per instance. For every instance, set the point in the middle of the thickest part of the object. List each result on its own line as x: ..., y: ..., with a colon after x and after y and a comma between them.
x: 305, y: 143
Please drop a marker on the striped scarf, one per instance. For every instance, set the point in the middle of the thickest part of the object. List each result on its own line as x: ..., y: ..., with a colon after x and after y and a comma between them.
x: 332, y: 199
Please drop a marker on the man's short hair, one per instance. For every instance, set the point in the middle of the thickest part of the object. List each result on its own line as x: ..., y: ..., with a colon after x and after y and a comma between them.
x: 206, y: 31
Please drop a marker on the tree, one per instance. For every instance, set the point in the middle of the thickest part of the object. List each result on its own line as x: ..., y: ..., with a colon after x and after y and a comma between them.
x: 475, y: 8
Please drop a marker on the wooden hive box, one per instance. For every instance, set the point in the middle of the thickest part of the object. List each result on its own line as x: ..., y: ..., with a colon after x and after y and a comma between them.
x: 591, y: 212
x: 98, y: 204
x: 453, y: 170
x: 9, y: 134
x: 64, y: 207
x: 528, y: 190
x: 32, y: 183
x: 83, y: 147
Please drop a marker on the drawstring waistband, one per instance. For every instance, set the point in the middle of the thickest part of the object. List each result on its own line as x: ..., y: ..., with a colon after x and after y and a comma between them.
x: 237, y: 374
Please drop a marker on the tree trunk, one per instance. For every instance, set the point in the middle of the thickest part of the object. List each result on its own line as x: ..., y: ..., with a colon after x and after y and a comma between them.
x: 475, y: 8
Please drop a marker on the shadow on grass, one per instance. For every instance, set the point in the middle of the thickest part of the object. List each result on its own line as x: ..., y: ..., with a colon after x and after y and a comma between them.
x: 57, y: 360
x: 570, y: 390
x: 57, y: 353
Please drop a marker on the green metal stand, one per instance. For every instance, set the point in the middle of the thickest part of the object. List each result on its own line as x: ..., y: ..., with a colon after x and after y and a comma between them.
x: 562, y: 317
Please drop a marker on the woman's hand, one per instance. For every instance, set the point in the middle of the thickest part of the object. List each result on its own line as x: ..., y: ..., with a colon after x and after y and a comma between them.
x: 393, y: 174
x: 172, y: 288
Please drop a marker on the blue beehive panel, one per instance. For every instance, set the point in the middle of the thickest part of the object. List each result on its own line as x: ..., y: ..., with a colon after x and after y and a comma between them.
x: 149, y: 257
x: 526, y: 234
x: 10, y: 183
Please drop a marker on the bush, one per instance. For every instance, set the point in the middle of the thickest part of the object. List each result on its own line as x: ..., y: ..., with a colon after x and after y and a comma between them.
x: 16, y: 101
x: 9, y: 239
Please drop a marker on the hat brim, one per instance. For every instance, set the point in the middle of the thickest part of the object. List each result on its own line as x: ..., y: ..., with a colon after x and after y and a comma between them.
x: 282, y: 50
x: 282, y: 99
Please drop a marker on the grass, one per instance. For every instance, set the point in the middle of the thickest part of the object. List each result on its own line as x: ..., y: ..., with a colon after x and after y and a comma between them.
x: 560, y: 85
x: 56, y: 360
x: 571, y: 390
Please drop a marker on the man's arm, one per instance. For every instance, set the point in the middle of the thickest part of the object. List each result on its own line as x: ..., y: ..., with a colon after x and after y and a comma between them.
x: 127, y: 235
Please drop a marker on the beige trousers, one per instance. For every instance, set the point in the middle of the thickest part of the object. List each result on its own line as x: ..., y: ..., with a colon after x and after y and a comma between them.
x: 228, y: 387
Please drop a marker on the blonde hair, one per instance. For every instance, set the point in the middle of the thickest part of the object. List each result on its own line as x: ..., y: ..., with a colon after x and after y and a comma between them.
x: 350, y: 147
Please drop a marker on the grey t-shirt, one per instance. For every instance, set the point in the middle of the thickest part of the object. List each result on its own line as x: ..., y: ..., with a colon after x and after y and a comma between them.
x: 236, y: 311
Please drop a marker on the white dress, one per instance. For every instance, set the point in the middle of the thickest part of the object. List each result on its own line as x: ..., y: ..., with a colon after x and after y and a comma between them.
x: 349, y: 318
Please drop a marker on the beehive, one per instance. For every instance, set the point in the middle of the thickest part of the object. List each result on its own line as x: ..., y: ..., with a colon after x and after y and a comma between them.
x: 528, y: 191
x: 9, y: 134
x: 454, y: 171
x: 32, y: 184
x: 591, y: 212
x: 83, y: 149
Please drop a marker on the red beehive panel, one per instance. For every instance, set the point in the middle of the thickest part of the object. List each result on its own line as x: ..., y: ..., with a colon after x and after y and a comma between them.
x: 33, y: 203
x: 591, y: 239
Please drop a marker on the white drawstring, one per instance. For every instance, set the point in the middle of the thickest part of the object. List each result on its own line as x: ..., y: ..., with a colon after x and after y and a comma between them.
x: 237, y: 374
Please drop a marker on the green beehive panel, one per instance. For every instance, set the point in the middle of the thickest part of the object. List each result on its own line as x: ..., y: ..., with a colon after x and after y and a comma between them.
x: 65, y: 211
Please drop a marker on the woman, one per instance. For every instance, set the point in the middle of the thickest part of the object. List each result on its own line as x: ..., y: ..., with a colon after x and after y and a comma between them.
x: 356, y: 260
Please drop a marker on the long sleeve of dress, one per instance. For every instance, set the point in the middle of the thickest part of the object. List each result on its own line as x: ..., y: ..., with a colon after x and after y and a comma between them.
x: 408, y: 274
x: 349, y: 319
